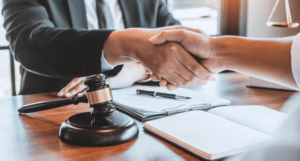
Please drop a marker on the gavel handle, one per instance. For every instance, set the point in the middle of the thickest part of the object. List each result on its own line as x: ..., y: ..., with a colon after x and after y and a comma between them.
x: 46, y: 105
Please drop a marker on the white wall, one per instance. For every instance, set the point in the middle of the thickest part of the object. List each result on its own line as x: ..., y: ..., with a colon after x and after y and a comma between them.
x: 258, y: 13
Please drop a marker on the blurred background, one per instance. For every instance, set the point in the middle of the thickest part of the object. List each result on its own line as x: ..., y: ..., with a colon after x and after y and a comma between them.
x: 201, y: 14
x: 215, y: 17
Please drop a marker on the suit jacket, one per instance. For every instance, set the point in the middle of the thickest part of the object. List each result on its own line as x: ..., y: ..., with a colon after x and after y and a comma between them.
x: 51, y: 41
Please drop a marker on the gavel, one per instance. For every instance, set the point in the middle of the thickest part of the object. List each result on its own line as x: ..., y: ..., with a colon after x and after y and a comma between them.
x: 103, y: 126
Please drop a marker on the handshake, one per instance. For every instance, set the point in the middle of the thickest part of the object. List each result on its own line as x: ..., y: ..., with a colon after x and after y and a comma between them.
x: 193, y: 42
x: 176, y: 56
x: 184, y: 57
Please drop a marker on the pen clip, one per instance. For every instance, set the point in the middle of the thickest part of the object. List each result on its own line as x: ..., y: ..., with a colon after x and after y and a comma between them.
x: 204, y: 106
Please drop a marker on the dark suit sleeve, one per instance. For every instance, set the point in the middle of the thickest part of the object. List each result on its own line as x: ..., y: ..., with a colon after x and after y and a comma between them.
x: 164, y: 17
x: 46, y: 50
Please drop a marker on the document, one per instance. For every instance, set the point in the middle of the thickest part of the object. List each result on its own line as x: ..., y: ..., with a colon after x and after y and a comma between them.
x: 220, y: 132
x: 145, y: 106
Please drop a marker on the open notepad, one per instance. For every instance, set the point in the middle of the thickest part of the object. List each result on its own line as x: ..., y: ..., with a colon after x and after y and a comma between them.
x: 145, y: 108
x: 220, y: 132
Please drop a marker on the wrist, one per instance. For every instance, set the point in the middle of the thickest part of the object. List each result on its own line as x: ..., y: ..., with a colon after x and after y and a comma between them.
x: 116, y: 49
x: 221, y: 53
x: 108, y: 49
x: 139, y: 42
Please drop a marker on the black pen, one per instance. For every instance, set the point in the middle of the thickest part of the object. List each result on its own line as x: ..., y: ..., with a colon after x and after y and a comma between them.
x: 159, y: 94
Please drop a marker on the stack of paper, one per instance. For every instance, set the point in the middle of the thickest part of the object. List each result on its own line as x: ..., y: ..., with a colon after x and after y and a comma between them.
x: 145, y: 108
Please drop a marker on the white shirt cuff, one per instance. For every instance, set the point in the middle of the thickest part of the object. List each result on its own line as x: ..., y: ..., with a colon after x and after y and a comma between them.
x: 146, y: 80
x: 105, y: 66
x: 295, y: 55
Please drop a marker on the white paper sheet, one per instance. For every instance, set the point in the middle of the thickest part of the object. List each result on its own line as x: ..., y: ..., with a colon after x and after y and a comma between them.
x: 260, y: 118
x: 205, y: 134
x: 128, y: 97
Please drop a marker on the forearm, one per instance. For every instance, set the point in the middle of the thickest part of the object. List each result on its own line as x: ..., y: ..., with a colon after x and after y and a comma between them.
x: 126, y: 45
x: 269, y: 59
x: 130, y: 45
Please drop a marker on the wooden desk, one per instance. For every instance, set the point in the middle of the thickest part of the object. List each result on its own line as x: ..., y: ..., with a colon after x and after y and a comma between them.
x: 35, y: 136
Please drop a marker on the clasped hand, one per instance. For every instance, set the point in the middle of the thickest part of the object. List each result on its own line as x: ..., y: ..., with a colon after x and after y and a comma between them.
x: 196, y: 43
x: 168, y: 60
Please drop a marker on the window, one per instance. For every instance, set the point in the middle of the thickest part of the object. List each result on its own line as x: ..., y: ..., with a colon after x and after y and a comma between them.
x: 5, y: 77
x: 200, y: 14
x: 5, y: 86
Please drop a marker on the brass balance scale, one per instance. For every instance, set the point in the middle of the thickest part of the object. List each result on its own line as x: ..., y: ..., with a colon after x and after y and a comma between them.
x: 289, y: 23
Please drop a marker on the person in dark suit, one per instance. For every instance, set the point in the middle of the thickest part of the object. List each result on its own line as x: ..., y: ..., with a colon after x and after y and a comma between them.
x: 52, y: 41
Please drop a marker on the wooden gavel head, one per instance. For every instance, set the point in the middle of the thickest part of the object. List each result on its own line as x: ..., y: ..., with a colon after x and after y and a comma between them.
x: 99, y: 96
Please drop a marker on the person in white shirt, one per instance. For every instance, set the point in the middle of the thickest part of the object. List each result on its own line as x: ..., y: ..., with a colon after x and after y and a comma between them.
x: 276, y: 60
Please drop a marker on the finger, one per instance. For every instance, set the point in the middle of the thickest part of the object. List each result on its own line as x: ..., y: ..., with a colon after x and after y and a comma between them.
x: 171, y: 35
x: 81, y: 93
x: 189, y: 73
x: 196, y: 81
x: 176, y: 79
x: 185, y: 69
x: 77, y: 89
x: 171, y: 87
x: 53, y: 94
x: 212, y: 77
x: 179, y: 27
x: 148, y: 71
x: 163, y: 83
x: 172, y: 80
x: 154, y: 77
x: 168, y: 35
x: 71, y: 85
x: 195, y: 68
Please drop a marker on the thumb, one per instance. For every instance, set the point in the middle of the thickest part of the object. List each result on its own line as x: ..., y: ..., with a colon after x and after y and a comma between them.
x: 168, y: 35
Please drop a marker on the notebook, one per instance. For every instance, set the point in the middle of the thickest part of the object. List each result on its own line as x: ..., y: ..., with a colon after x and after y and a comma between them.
x: 145, y: 108
x: 259, y: 83
x: 220, y: 132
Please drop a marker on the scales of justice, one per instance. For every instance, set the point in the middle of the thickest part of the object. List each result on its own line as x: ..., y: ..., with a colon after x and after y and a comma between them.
x: 101, y: 127
x: 289, y: 23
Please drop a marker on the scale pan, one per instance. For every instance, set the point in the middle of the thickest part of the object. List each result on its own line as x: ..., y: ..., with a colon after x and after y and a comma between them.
x: 282, y: 24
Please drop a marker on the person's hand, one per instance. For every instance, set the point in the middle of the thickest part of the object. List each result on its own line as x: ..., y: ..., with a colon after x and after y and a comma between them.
x: 131, y: 73
x: 75, y: 87
x: 200, y: 45
x: 169, y: 61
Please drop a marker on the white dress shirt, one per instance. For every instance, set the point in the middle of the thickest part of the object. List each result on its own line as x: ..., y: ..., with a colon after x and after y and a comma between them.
x: 91, y: 14
x: 286, y: 144
x: 296, y: 59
